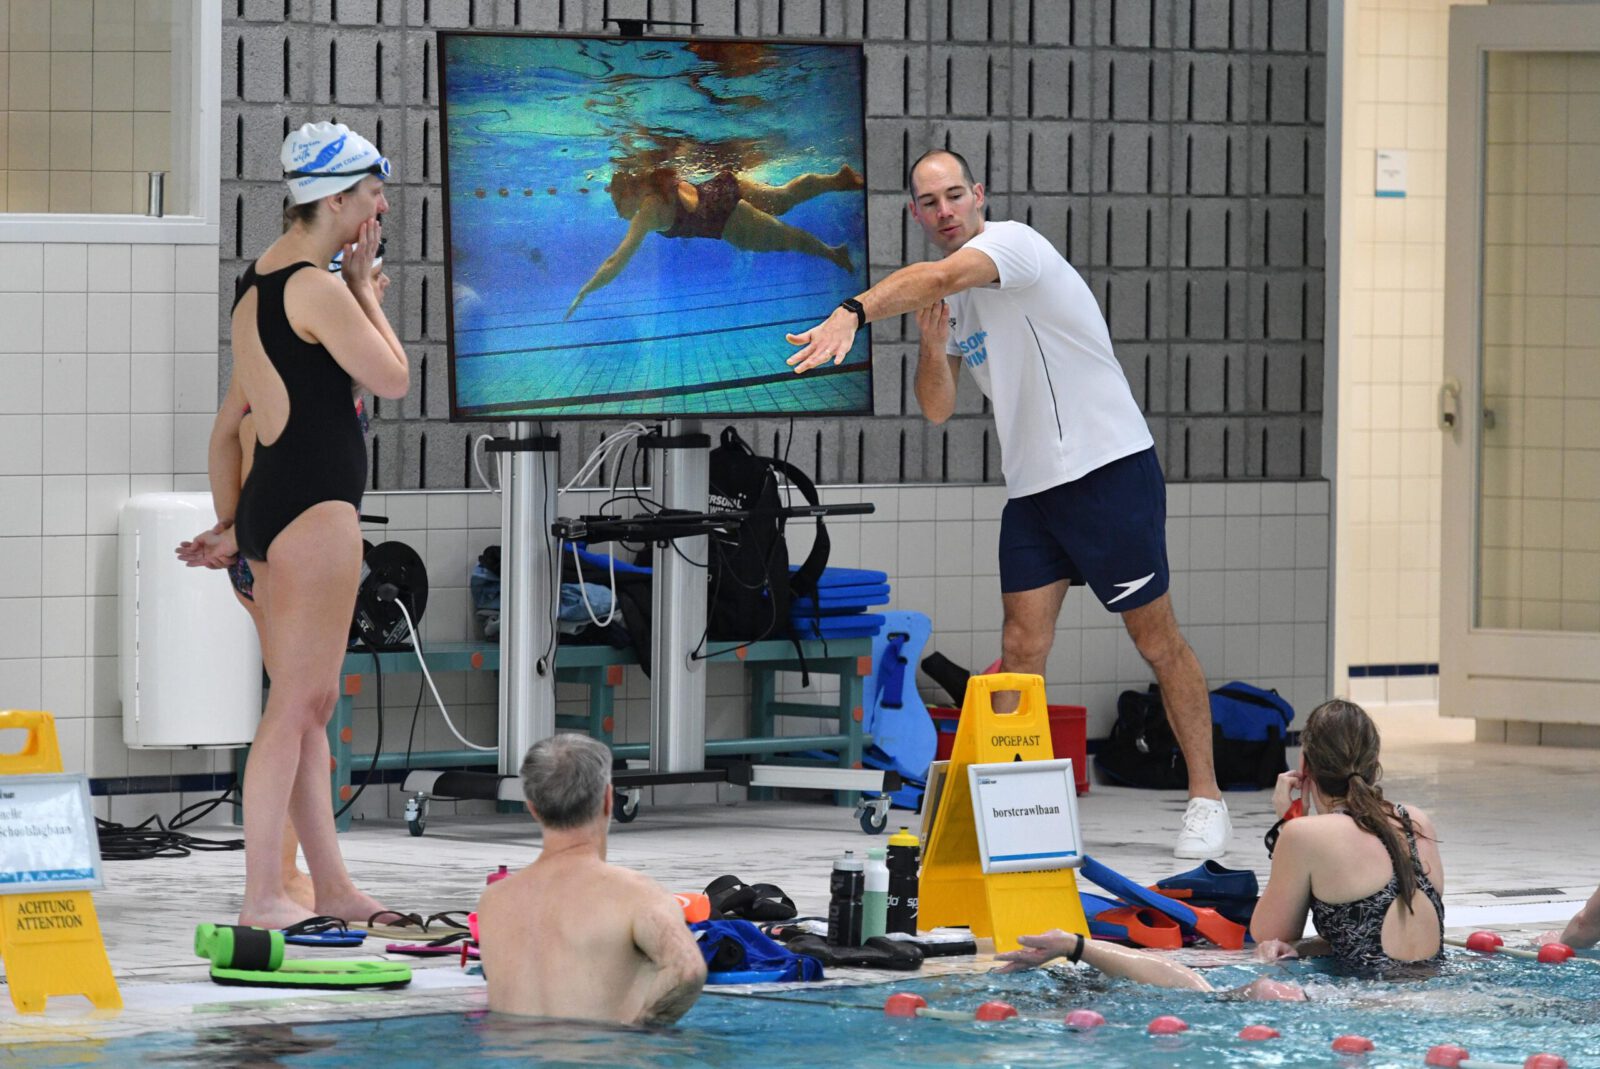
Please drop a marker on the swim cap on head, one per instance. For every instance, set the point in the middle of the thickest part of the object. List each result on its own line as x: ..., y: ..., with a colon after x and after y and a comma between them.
x: 321, y: 159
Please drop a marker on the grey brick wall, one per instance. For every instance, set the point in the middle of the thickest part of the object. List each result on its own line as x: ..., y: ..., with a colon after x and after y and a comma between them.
x: 1172, y: 149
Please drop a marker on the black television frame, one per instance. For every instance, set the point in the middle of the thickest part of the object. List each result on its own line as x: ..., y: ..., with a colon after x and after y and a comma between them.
x: 456, y: 416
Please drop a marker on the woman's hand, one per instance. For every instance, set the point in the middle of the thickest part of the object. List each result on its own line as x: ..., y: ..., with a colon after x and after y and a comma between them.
x: 1037, y: 950
x: 1284, y: 792
x: 213, y: 548
x: 1273, y: 950
x: 356, y: 266
x: 380, y: 285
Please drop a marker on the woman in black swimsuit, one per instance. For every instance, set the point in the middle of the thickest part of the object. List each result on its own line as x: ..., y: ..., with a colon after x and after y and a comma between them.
x: 299, y: 339
x: 729, y: 206
x: 1366, y: 869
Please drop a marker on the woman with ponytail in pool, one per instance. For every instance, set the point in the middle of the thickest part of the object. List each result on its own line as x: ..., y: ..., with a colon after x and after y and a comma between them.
x: 1367, y: 869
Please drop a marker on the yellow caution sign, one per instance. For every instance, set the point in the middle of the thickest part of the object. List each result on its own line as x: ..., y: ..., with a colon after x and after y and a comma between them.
x: 50, y: 940
x: 954, y: 889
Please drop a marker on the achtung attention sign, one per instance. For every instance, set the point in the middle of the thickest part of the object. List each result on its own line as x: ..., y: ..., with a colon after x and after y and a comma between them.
x: 47, y: 840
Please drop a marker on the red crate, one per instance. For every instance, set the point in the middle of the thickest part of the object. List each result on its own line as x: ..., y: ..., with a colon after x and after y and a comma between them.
x: 1069, y: 736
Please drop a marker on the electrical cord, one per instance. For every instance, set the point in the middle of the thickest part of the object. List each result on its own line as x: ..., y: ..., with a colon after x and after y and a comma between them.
x: 416, y: 644
x: 119, y: 842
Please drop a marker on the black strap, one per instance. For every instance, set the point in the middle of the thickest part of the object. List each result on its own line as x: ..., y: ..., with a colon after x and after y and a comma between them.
x: 1077, y: 951
x: 252, y: 949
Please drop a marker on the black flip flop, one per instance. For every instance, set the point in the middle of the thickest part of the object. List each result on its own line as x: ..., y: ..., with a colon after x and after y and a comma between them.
x: 769, y: 903
x: 729, y: 897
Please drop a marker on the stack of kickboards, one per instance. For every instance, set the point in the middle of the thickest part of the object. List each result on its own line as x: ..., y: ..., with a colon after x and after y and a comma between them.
x: 839, y: 609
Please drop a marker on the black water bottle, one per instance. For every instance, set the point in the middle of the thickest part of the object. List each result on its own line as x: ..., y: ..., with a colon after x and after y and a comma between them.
x: 847, y: 887
x: 903, y: 882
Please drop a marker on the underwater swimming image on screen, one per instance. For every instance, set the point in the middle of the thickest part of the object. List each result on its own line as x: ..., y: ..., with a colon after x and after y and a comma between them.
x: 633, y: 224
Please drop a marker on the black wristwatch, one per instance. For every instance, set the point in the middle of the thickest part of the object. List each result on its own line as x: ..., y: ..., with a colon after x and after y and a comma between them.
x: 854, y: 305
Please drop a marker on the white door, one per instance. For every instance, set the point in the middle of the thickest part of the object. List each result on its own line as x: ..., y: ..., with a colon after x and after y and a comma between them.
x: 1520, y: 408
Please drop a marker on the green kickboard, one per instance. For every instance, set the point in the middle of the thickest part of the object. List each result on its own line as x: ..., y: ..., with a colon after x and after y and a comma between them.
x: 318, y: 974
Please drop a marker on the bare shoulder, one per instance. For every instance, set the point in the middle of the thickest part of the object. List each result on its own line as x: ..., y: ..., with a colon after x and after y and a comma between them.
x: 1420, y: 819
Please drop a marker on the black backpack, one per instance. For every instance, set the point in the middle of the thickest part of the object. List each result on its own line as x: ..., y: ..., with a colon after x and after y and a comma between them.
x: 751, y: 586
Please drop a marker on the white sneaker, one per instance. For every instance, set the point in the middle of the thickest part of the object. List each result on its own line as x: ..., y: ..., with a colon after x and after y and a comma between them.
x: 1206, y: 830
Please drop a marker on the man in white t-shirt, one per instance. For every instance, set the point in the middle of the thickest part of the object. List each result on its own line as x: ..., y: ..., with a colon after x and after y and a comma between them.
x: 1086, y: 497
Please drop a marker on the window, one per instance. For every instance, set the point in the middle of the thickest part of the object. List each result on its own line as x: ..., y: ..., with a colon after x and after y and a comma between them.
x: 101, y: 103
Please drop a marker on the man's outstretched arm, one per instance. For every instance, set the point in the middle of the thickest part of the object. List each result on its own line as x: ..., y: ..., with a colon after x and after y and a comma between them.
x: 915, y: 286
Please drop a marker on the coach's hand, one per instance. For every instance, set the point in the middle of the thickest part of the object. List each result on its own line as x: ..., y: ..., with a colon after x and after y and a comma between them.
x: 829, y: 340
x: 933, y: 321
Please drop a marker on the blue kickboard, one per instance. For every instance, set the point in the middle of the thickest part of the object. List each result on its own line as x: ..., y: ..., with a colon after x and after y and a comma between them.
x: 832, y: 577
x: 846, y: 596
x: 1125, y: 889
x: 857, y: 625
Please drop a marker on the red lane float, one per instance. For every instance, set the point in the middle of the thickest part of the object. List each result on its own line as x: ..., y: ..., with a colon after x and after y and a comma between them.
x: 1353, y: 1044
x: 1555, y: 953
x: 1484, y: 942
x: 1545, y: 1061
x: 1083, y: 1020
x: 1258, y: 1032
x: 1167, y: 1026
x: 904, y: 1004
x: 995, y: 1011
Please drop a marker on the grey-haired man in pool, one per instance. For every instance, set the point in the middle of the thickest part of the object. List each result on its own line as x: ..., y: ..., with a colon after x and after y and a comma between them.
x: 570, y: 935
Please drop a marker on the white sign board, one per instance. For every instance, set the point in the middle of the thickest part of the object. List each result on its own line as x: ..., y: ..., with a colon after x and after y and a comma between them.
x: 1027, y: 816
x: 1391, y: 176
x: 48, y: 840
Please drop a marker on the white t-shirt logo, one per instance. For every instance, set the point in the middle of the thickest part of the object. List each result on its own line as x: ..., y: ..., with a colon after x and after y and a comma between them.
x: 973, y: 351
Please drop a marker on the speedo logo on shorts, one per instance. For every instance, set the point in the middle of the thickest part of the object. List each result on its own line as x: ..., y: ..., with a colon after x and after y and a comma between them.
x: 974, y: 350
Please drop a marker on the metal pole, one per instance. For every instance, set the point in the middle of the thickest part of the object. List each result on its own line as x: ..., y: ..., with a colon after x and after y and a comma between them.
x: 528, y: 472
x: 678, y: 610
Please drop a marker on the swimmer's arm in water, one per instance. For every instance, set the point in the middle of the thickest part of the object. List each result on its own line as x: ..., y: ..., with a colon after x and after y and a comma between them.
x: 912, y: 287
x: 1111, y: 959
x: 1281, y: 912
x: 654, y: 214
x: 680, y: 969
x: 1583, y: 930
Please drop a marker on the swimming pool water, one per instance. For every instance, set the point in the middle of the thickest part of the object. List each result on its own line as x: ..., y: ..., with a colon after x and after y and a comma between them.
x: 1498, y: 1009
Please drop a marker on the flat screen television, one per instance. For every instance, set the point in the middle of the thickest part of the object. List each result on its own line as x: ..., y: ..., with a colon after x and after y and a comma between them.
x: 633, y: 224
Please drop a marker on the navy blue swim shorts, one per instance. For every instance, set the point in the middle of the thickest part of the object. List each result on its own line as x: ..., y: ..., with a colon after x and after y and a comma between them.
x: 1107, y: 529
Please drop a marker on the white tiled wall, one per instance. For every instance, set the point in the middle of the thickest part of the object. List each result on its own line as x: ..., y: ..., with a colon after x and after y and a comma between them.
x: 1540, y: 559
x: 107, y: 385
x: 1391, y: 335
x: 85, y: 103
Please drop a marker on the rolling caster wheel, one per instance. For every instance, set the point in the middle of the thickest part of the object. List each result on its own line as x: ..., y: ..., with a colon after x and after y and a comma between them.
x: 627, y: 808
x: 417, y: 815
x: 874, y: 820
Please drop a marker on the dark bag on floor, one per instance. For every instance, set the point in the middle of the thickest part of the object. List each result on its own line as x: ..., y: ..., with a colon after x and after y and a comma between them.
x: 751, y: 585
x: 1249, y: 732
x: 1142, y: 751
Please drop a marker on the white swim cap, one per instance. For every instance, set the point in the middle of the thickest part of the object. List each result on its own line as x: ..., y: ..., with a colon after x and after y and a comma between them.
x: 321, y: 159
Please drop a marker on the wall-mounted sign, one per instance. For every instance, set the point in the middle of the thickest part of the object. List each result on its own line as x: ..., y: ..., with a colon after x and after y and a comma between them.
x: 48, y: 840
x: 1391, y: 176
x: 1027, y: 816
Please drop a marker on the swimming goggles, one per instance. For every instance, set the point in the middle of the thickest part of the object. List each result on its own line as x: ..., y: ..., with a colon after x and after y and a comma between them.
x: 337, y: 263
x: 381, y: 169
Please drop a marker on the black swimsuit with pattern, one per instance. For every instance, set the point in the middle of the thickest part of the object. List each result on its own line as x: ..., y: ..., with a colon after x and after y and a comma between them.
x: 320, y: 455
x: 719, y: 196
x: 1355, y: 929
